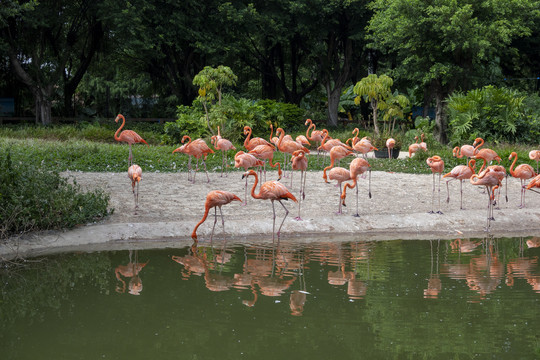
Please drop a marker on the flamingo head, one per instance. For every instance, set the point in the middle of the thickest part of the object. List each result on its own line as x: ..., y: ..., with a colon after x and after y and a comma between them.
x: 185, y: 137
x: 248, y: 173
x: 512, y: 155
x: 308, y: 122
x: 118, y: 117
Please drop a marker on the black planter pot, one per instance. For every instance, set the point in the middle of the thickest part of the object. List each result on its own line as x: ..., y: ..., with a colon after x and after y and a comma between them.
x: 383, y: 153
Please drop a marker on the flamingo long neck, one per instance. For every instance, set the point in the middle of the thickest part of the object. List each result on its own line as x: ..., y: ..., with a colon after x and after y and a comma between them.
x: 194, y: 233
x: 120, y: 128
x: 355, y: 133
x: 512, y: 166
x: 325, y: 132
x: 281, y: 134
x: 271, y: 132
x: 480, y: 143
x: 189, y: 138
x: 246, y: 142
x: 311, y: 125
x: 472, y: 165
x: 255, y: 196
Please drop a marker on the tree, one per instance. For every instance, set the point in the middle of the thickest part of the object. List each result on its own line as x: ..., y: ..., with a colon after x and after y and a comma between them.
x: 446, y: 45
x: 210, y: 82
x: 50, y: 45
x: 375, y: 89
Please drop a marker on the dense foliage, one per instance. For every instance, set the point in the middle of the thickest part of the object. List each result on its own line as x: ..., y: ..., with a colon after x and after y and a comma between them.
x: 494, y: 114
x: 32, y: 198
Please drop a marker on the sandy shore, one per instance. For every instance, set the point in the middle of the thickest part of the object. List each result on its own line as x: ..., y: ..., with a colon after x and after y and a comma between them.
x: 170, y: 206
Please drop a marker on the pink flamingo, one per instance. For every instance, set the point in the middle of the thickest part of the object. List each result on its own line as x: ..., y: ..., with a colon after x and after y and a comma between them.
x: 413, y: 148
x: 273, y: 191
x: 485, y: 154
x: 437, y: 166
x: 266, y: 152
x: 336, y: 153
x: 215, y: 199
x: 129, y: 136
x: 300, y: 162
x: 198, y: 149
x: 249, y: 143
x: 522, y: 172
x: 135, y: 175
x: 390, y: 144
x: 423, y: 144
x: 243, y: 160
x: 340, y: 175
x: 460, y: 172
x: 489, y: 179
x: 224, y: 145
x: 535, y: 155
x: 357, y: 167
x: 288, y: 147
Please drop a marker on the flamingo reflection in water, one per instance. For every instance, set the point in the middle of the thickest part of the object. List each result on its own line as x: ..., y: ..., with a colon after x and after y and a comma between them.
x: 131, y: 271
x: 434, y: 282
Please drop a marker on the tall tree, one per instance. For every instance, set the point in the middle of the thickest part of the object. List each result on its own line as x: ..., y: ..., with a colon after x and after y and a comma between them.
x: 445, y: 45
x: 50, y: 46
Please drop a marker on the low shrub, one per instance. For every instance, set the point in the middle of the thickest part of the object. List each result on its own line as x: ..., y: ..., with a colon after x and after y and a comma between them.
x: 35, y: 199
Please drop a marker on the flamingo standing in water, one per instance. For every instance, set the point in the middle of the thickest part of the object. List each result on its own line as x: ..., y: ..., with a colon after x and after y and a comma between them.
x: 460, y: 172
x: 224, y: 145
x: 243, y: 160
x: 129, y: 136
x: 135, y: 175
x: 357, y: 167
x: 340, y: 175
x: 215, y: 199
x: 273, y: 191
x: 535, y: 155
x: 522, y: 172
x: 300, y: 162
x: 437, y: 166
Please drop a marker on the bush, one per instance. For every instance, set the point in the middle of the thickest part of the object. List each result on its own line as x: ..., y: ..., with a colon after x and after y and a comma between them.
x: 494, y: 114
x: 34, y: 199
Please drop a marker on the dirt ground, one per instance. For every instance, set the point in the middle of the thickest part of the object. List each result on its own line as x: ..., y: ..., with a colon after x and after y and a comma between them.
x: 170, y: 206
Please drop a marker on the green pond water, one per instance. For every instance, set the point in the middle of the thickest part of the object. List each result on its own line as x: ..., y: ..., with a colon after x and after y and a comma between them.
x: 439, y: 299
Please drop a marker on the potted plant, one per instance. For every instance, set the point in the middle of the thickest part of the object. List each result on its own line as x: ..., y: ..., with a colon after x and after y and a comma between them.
x: 380, y: 143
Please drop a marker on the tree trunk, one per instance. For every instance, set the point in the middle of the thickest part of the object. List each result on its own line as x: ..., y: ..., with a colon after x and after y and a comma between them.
x: 440, y: 117
x: 333, y: 104
x: 374, y: 106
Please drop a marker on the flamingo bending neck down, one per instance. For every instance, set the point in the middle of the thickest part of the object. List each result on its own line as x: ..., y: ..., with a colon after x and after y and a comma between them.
x: 243, y: 160
x: 135, y: 175
x: 215, y: 199
x: 300, y: 162
x: 129, y: 136
x: 273, y: 191
x: 491, y: 181
x: 357, y: 167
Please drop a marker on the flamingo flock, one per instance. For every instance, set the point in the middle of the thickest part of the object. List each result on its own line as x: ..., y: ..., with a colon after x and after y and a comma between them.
x: 258, y: 152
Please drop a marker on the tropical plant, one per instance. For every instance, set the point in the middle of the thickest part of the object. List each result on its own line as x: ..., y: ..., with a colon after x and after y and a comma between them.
x: 374, y: 89
x: 494, y: 114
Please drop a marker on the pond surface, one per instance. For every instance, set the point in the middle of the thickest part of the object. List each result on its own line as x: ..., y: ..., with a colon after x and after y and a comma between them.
x: 444, y: 299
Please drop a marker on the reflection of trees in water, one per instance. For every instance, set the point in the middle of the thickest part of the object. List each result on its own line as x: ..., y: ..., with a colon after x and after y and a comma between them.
x: 31, y: 286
